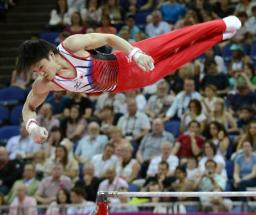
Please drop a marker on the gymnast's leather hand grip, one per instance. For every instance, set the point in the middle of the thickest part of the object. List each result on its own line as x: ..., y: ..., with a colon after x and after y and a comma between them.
x: 39, y: 134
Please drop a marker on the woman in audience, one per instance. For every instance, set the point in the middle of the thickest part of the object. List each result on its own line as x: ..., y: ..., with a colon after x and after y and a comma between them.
x: 60, y: 205
x: 106, y: 26
x: 113, y: 10
x: 21, y: 79
x: 92, y: 14
x: 250, y: 136
x: 209, y: 99
x: 77, y: 26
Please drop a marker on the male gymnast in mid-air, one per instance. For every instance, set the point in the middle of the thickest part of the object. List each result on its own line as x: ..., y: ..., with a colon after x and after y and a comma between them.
x: 75, y: 66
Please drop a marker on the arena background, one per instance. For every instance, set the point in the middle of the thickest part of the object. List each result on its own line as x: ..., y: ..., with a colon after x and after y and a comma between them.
x: 195, y: 130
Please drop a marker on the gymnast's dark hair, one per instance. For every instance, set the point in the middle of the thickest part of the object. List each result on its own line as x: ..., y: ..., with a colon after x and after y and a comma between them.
x: 32, y: 51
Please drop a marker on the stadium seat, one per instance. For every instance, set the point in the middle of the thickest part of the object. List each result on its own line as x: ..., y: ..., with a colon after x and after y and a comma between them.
x: 4, y: 115
x: 49, y: 36
x: 15, y: 117
x: 227, y: 54
x: 12, y: 96
x: 173, y: 127
x: 140, y: 17
x: 7, y: 132
x: 229, y: 168
x: 253, y: 51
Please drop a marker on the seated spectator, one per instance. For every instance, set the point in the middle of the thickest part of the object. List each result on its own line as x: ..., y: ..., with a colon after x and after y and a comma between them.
x: 28, y: 180
x: 70, y: 165
x: 59, y: 16
x: 209, y: 99
x: 249, y: 135
x: 162, y: 177
x: 250, y: 22
x: 128, y: 167
x: 116, y: 138
x: 150, y: 145
x: 213, y: 77
x: 9, y: 171
x: 189, y: 144
x: 105, y: 160
x: 190, y: 18
x: 60, y: 205
x: 132, y: 28
x: 195, y: 112
x: 73, y: 126
x: 79, y: 203
x: 182, y: 99
x: 157, y: 26
x: 172, y: 160
x: 107, y: 119
x: 76, y: 4
x: 172, y: 10
x: 91, y: 144
x: 92, y: 13
x: 106, y: 26
x: 223, y: 8
x: 85, y: 104
x: 192, y: 169
x: 181, y: 184
x: 112, y: 181
x: 221, y: 115
x: 39, y: 160
x: 113, y: 10
x: 248, y: 73
x: 50, y: 186
x: 217, y: 134
x: 89, y: 182
x: 246, y: 114
x: 23, y: 204
x: 245, y: 6
x: 21, y: 79
x: 210, y: 153
x: 139, y: 97
x: 45, y: 117
x: 76, y: 26
x: 134, y: 124
x: 22, y: 145
x: 159, y: 102
x: 245, y: 168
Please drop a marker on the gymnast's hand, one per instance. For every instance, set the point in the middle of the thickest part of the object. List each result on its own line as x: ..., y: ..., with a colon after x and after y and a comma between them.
x: 39, y: 134
x: 144, y: 61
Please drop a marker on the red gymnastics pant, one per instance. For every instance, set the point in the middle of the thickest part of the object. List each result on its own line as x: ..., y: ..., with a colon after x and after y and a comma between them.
x: 169, y: 51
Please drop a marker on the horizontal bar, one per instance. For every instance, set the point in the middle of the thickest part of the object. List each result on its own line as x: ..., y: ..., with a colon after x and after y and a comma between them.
x: 177, y: 194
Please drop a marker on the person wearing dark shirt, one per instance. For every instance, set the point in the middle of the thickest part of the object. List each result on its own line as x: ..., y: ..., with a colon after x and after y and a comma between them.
x: 212, y: 77
x: 223, y: 8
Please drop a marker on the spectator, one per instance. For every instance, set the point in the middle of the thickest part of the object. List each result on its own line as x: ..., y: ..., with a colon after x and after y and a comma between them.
x: 157, y: 26
x: 112, y: 181
x: 245, y: 168
x: 22, y: 145
x: 250, y: 23
x: 210, y: 153
x: 113, y: 10
x: 190, y: 18
x: 107, y: 119
x: 246, y: 114
x: 116, y: 137
x: 21, y: 79
x: 172, y: 160
x: 192, y: 169
x: 159, y: 102
x: 76, y: 4
x: 209, y: 99
x: 106, y: 26
x: 245, y: 5
x: 70, y: 165
x: 128, y: 167
x: 249, y: 135
x: 90, y: 144
x: 105, y: 160
x: 28, y: 180
x: 50, y: 186
x: 223, y: 8
x: 216, y: 133
x: 172, y: 10
x: 74, y: 126
x: 134, y: 124
x: 60, y: 205
x: 9, y: 171
x: 182, y: 99
x: 92, y: 13
x: 89, y: 182
x: 39, y: 161
x: 80, y: 205
x: 221, y: 115
x: 150, y: 145
x: 139, y: 97
x: 45, y: 117
x: 76, y: 26
x: 195, y: 112
x: 189, y: 144
x: 213, y: 77
x: 59, y: 16
x: 23, y: 204
x: 132, y: 28
x: 181, y: 184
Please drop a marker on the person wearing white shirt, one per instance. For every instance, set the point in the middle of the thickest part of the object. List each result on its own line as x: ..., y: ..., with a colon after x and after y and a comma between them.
x: 104, y: 161
x: 251, y: 22
x: 182, y: 99
x: 166, y: 155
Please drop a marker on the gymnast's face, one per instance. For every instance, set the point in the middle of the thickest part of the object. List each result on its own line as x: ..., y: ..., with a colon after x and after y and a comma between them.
x: 47, y: 68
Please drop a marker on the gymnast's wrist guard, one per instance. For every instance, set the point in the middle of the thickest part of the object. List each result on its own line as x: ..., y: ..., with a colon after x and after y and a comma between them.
x: 31, y: 124
x: 134, y: 54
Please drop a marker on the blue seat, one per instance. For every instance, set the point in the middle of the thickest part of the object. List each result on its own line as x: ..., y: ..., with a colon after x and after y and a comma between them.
x: 15, y: 117
x: 141, y: 16
x: 253, y: 51
x: 7, y: 132
x: 4, y: 115
x: 49, y: 36
x: 133, y: 188
x: 229, y: 168
x: 12, y: 96
x: 173, y: 127
x: 227, y: 53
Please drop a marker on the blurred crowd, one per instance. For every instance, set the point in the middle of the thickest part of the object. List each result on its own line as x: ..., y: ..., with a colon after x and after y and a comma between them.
x: 194, y: 130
